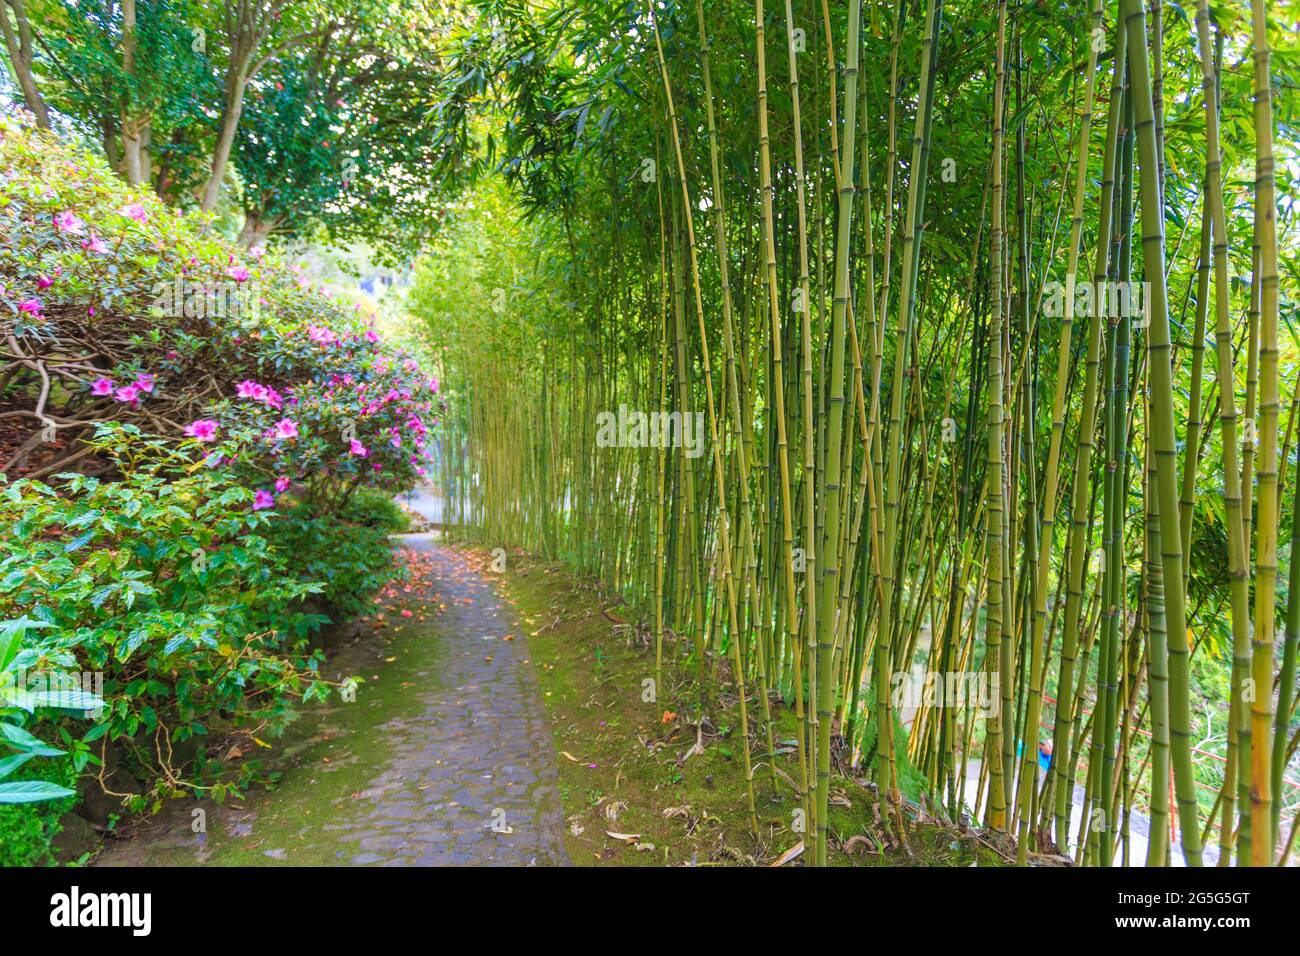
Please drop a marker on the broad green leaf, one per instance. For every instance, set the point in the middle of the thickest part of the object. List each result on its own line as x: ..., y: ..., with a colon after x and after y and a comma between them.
x: 21, y: 739
x: 32, y: 791
x: 11, y: 763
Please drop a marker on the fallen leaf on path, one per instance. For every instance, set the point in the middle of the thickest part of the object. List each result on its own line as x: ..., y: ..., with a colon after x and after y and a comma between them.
x: 625, y: 837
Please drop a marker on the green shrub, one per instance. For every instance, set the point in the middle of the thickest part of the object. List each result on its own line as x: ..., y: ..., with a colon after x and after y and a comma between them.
x: 348, y: 560
x: 167, y: 583
x: 376, y: 509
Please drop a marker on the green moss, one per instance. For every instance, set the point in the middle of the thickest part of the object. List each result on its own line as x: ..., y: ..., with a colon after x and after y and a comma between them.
x: 628, y: 758
x: 315, y: 770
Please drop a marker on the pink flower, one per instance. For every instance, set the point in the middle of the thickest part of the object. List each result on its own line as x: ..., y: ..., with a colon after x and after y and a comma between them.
x: 282, y: 483
x: 101, y: 386
x: 319, y: 335
x: 238, y: 273
x: 135, y: 211
x: 44, y: 282
x: 144, y: 382
x: 433, y: 384
x: 286, y: 428
x: 372, y: 335
x: 94, y: 244
x: 204, y: 429
x: 272, y: 398
x: 250, y: 389
x: 357, y: 448
x: 30, y: 305
x: 69, y: 223
x: 127, y: 393
x: 263, y: 499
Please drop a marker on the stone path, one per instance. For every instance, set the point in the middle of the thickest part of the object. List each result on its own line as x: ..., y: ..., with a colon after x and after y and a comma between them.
x: 445, y: 758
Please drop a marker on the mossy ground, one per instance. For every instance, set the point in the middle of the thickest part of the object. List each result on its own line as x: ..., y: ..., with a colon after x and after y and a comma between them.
x: 626, y: 766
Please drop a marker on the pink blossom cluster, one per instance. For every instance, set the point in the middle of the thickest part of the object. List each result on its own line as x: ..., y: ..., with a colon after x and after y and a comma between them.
x: 203, y: 429
x: 144, y: 384
x: 321, y: 335
x: 259, y: 393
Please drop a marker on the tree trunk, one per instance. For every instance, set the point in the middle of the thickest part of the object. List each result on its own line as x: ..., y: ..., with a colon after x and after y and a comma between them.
x: 19, y: 47
x: 236, y: 82
x: 136, y: 166
x: 257, y: 230
x: 135, y: 129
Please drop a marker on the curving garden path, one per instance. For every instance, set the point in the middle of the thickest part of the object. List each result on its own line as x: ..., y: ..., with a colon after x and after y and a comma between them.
x: 445, y: 757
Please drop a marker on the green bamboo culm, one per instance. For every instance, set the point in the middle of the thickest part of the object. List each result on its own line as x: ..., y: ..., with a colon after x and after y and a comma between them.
x: 1263, y: 833
x: 996, y: 538
x: 1133, y: 15
x: 834, y: 438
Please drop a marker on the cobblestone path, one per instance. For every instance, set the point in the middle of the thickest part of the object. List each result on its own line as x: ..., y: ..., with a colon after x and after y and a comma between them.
x: 444, y: 758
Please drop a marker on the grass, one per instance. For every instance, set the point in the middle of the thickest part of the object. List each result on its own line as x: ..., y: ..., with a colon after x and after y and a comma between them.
x: 629, y: 765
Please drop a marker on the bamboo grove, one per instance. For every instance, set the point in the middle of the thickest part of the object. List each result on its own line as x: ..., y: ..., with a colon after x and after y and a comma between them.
x: 975, y: 326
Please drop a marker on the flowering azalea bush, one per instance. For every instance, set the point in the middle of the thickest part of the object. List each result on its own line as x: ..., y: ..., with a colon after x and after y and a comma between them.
x: 122, y: 310
x: 168, y: 584
x: 365, y: 420
x: 198, y: 450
